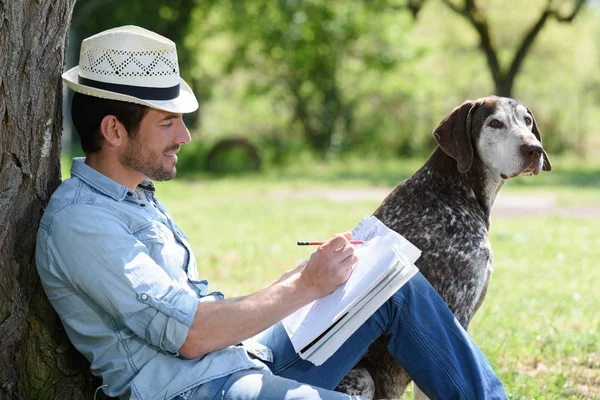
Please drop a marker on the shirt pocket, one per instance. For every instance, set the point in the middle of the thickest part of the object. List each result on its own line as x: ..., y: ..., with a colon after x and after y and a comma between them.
x: 163, y: 248
x: 151, y: 232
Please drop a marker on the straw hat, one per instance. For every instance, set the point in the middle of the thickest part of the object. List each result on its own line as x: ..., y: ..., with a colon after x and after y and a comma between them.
x: 134, y: 65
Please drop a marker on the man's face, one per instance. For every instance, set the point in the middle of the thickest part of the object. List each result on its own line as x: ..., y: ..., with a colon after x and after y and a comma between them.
x: 152, y: 152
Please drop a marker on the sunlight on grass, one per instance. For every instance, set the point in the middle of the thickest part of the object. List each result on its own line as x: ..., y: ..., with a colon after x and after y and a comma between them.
x: 539, y: 324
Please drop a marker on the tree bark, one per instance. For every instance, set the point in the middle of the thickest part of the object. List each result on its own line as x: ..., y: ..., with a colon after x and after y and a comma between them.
x: 36, y: 358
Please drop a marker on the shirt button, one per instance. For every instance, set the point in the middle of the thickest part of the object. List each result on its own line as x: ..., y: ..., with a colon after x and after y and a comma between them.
x: 144, y: 296
x: 129, y: 194
x: 142, y: 205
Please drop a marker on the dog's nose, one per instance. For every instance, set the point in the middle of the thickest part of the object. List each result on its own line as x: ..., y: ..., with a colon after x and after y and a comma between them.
x: 532, y: 150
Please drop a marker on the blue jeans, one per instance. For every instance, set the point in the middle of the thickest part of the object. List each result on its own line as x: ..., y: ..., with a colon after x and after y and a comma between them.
x: 422, y: 334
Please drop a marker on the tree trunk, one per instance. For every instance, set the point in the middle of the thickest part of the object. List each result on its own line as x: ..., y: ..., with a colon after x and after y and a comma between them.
x: 504, y: 86
x: 36, y: 358
x: 504, y: 78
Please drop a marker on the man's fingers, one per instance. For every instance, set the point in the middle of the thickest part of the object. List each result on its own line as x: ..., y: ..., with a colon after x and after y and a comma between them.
x: 336, y: 242
x: 331, y: 265
x: 349, y: 260
x: 346, y: 266
x: 346, y: 251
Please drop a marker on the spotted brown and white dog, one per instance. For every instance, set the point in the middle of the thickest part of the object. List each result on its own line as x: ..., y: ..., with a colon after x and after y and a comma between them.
x: 444, y: 209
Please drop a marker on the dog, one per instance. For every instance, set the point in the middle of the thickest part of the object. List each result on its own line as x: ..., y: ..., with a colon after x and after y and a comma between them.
x: 444, y: 209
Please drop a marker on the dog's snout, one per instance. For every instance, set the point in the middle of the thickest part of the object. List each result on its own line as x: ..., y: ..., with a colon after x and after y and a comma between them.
x: 531, y: 150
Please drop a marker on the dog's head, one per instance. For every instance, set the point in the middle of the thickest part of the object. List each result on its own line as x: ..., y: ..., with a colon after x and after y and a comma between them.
x: 502, y: 132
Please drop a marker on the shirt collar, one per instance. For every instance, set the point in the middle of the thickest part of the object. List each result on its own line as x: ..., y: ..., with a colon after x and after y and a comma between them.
x: 101, y: 182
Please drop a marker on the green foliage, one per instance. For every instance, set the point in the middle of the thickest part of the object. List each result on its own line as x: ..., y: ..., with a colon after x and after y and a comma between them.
x: 308, y: 55
x: 390, y: 108
x: 363, y: 78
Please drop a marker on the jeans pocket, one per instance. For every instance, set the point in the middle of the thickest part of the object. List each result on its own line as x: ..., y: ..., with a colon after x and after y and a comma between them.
x: 258, y: 350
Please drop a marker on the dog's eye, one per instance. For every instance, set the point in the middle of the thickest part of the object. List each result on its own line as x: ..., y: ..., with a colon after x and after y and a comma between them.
x: 495, y: 124
x: 528, y: 121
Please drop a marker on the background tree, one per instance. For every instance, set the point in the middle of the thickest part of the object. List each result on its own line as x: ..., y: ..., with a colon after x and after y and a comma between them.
x: 36, y: 358
x: 376, y: 76
x: 370, y: 77
x: 298, y: 49
x: 473, y: 12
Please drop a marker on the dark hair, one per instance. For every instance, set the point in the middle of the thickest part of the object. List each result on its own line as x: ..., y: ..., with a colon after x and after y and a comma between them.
x: 87, y: 113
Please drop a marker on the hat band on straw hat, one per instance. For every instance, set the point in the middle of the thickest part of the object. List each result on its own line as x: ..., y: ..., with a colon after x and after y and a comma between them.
x: 146, y: 93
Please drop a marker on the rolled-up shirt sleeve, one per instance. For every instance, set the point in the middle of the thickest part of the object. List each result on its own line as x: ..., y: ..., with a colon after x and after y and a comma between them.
x: 95, y: 251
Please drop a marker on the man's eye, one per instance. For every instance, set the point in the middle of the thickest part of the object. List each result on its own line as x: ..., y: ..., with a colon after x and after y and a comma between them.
x: 495, y: 124
x: 528, y: 121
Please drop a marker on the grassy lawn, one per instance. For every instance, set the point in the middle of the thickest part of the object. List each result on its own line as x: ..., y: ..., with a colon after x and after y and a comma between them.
x: 539, y: 326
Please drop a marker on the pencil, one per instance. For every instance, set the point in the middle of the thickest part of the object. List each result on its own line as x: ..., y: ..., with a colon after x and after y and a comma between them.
x: 320, y: 243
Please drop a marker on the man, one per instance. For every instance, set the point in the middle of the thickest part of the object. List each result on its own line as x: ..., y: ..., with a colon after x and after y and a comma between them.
x: 122, y: 277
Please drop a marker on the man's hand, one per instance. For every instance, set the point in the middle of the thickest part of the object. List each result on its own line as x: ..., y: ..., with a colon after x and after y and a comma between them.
x: 222, y: 323
x: 329, y: 266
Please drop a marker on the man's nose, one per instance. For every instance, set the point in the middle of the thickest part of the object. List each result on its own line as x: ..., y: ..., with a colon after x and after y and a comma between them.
x: 183, y: 134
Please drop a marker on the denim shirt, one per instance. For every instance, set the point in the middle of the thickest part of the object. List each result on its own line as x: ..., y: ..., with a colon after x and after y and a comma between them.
x: 122, y: 277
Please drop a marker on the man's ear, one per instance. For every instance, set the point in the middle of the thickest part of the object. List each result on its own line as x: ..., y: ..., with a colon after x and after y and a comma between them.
x: 547, y: 166
x: 453, y: 135
x: 112, y: 130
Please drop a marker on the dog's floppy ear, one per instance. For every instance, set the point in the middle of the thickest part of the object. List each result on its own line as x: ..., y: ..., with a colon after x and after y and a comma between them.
x: 547, y: 166
x: 453, y: 135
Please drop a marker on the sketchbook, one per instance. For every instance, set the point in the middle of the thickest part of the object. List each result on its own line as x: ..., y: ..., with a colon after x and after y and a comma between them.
x: 385, y: 264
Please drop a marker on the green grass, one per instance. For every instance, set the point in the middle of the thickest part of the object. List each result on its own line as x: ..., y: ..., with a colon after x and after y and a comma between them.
x: 539, y: 326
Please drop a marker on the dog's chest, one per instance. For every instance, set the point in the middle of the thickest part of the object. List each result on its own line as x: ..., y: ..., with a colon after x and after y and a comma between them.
x: 448, y: 237
x: 451, y: 231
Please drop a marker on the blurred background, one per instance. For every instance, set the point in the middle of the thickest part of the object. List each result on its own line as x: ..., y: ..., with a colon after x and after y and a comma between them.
x: 296, y: 78
x: 312, y: 111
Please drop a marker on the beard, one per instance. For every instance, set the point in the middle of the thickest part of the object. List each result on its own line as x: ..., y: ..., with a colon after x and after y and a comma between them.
x: 148, y: 162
